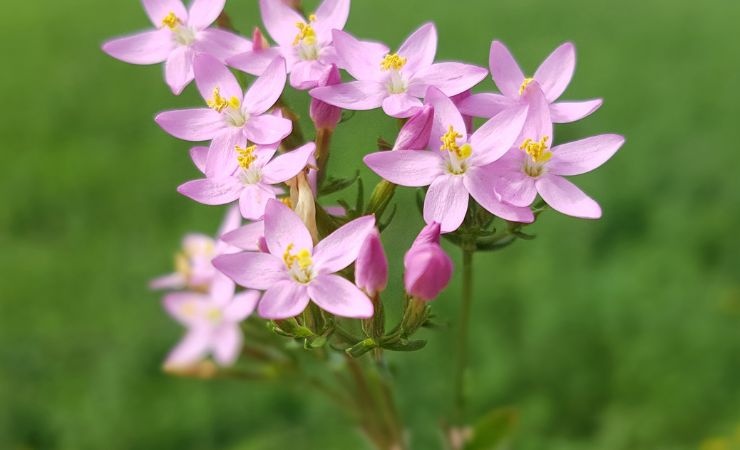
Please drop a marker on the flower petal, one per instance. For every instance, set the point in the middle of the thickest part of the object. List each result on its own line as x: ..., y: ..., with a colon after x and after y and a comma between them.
x: 211, y: 74
x: 199, y: 155
x: 585, y: 155
x: 204, y: 12
x: 288, y: 165
x: 221, y: 161
x: 178, y: 69
x: 516, y: 188
x: 307, y: 74
x: 267, y: 129
x: 332, y: 15
x: 253, y: 201
x: 198, y: 124
x: 190, y: 350
x: 356, y: 95
x: 283, y: 300
x: 280, y: 20
x: 171, y: 281
x: 184, y: 307
x: 246, y: 237
x: 149, y: 47
x: 340, y: 249
x: 446, y: 202
x: 485, y: 105
x: 252, y: 270
x: 452, y: 78
x: 227, y: 343
x: 565, y: 197
x: 413, y: 168
x: 221, y: 44
x: 157, y: 10
x: 401, y: 106
x: 254, y: 62
x: 209, y: 191
x: 498, y: 135
x: 266, y: 89
x: 361, y: 59
x: 555, y: 73
x: 419, y: 49
x: 446, y: 115
x: 566, y: 112
x: 340, y: 297
x: 505, y: 71
x: 538, y: 124
x: 480, y: 183
x: 242, y: 306
x: 283, y: 227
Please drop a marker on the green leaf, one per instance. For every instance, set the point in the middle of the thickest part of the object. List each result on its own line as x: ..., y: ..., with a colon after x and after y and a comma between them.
x: 404, y: 345
x: 338, y: 184
x: 494, y: 430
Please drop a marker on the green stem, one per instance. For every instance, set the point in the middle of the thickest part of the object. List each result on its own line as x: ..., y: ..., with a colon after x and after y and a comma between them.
x: 462, y: 337
x: 323, y: 145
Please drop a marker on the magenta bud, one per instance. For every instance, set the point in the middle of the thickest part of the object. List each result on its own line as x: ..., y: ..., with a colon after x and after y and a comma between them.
x: 371, y: 268
x: 427, y: 271
x: 259, y: 42
x: 414, y: 135
x: 428, y: 235
x: 324, y: 115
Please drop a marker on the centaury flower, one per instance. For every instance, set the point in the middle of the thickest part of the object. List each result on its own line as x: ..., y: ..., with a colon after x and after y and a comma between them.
x: 395, y: 81
x: 295, y: 271
x: 456, y: 166
x: 231, y: 117
x: 553, y: 76
x: 180, y: 35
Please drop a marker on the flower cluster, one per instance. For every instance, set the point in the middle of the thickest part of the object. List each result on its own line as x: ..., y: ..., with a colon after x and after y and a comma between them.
x: 295, y: 257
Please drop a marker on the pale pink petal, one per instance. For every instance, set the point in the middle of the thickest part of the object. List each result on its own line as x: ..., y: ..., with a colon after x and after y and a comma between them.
x: 227, y: 343
x: 288, y: 165
x: 171, y: 281
x: 401, y: 106
x: 283, y: 227
x: 340, y: 249
x: 361, y: 59
x: 203, y: 13
x: 221, y: 161
x: 267, y: 129
x: 242, y: 306
x: 199, y: 155
x: 538, y: 124
x: 565, y: 197
x: 221, y: 43
x: 485, y: 105
x: 332, y: 15
x: 246, y: 237
x: 178, y: 70
x: 452, y: 78
x: 585, y: 155
x: 222, y: 289
x: 356, y: 95
x: 232, y: 221
x: 505, y: 71
x: 157, y: 10
x: 419, y: 49
x: 253, y: 201
x: 480, y: 183
x: 252, y: 269
x: 283, y: 300
x: 254, y: 62
x: 149, y: 47
x: 555, y: 73
x: 190, y: 350
x: 446, y: 202
x: 567, y: 112
x: 340, y: 297
x: 413, y: 168
x: 307, y: 74
x: 210, y: 191
x: 280, y: 20
x: 211, y: 74
x: 446, y: 115
x: 199, y: 124
x: 498, y: 135
x: 266, y: 89
x: 185, y: 307
x: 516, y: 188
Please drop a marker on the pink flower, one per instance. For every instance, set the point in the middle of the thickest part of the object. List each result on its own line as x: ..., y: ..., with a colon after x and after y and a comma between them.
x: 371, y: 268
x: 250, y: 237
x: 323, y: 114
x: 533, y: 167
x: 395, y: 81
x: 553, y: 75
x: 456, y: 166
x: 414, y: 134
x: 180, y: 35
x: 213, y: 325
x: 251, y: 176
x: 427, y: 268
x: 294, y: 271
x: 232, y: 117
x: 193, y: 268
x: 306, y: 45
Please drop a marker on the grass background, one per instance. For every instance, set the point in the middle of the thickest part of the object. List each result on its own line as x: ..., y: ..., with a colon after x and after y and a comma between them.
x: 617, y: 334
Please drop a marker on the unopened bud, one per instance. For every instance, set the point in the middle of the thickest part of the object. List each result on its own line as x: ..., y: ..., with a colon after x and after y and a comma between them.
x: 324, y: 115
x: 371, y: 268
x: 427, y: 268
x: 414, y: 135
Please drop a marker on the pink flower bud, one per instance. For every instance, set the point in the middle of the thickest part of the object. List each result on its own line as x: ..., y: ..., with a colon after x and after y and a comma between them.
x: 414, y: 135
x: 323, y: 114
x: 428, y: 269
x: 428, y: 235
x: 259, y: 42
x: 371, y: 269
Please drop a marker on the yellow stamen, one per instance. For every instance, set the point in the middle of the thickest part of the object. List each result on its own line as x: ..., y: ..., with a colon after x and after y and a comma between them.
x: 182, y: 264
x: 393, y: 61
x: 214, y: 315
x: 306, y: 33
x: 537, y: 150
x: 219, y: 103
x: 245, y: 156
x: 171, y: 21
x: 525, y: 84
x: 287, y: 202
x: 312, y: 18
x: 303, y: 258
x: 449, y: 143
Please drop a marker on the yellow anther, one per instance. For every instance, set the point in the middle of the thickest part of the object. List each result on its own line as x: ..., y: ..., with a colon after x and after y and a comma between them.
x: 525, y: 84
x: 287, y: 202
x: 449, y: 143
x: 306, y: 34
x: 393, y: 61
x: 171, y: 21
x: 214, y: 315
x: 312, y: 18
x: 182, y: 264
x: 219, y: 103
x: 303, y: 258
x: 245, y: 156
x: 537, y: 150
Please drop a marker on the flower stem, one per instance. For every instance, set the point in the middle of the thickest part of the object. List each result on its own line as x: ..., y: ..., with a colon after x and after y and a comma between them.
x: 462, y: 337
x: 323, y: 145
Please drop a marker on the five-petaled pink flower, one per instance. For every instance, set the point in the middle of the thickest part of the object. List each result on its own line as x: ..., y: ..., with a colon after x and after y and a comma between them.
x: 231, y: 116
x: 213, y: 325
x: 250, y: 179
x: 553, y: 76
x: 306, y: 45
x: 533, y: 167
x: 395, y: 81
x: 181, y: 34
x: 294, y: 271
x: 456, y: 166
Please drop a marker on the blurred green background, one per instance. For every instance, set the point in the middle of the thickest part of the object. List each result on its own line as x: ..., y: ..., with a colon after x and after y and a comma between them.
x: 618, y: 334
